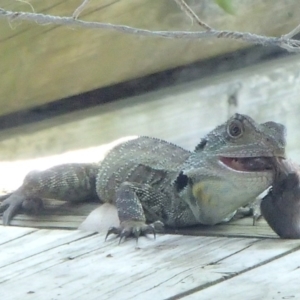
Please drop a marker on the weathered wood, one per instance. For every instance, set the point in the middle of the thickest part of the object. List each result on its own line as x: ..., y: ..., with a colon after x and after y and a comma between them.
x: 36, y: 241
x: 240, y: 228
x: 181, y: 114
x: 87, y: 267
x: 276, y: 280
x: 14, y: 233
x: 70, y: 217
x: 49, y: 222
x: 63, y: 215
x: 43, y: 63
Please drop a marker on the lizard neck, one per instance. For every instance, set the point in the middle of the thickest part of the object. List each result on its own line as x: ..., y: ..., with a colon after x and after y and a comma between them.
x: 213, y: 192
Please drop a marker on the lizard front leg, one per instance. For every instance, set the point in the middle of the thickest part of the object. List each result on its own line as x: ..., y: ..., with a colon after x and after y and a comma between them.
x: 69, y: 182
x: 129, y: 200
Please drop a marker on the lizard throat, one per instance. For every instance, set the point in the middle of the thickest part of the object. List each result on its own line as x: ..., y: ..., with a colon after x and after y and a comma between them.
x: 247, y: 164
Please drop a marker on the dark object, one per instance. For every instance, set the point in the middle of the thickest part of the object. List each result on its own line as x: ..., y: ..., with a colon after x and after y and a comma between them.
x: 281, y: 206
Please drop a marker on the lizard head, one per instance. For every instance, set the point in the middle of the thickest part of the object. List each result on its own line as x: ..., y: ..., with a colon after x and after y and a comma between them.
x: 231, y: 166
x: 241, y: 144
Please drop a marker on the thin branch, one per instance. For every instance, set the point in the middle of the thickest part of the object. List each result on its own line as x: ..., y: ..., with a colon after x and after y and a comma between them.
x: 184, y: 7
x: 290, y: 45
x: 29, y: 4
x: 291, y: 33
x: 80, y: 8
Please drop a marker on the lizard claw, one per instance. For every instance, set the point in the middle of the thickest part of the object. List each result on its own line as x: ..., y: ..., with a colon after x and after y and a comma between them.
x: 256, y: 216
x: 15, y: 202
x: 10, y: 207
x: 135, y: 229
x: 250, y: 210
x: 256, y: 212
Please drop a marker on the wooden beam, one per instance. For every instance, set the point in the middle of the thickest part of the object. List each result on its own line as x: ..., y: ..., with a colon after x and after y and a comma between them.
x: 40, y: 64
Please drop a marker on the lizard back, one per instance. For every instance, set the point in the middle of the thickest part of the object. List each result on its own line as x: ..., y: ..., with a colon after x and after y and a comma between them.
x: 143, y: 160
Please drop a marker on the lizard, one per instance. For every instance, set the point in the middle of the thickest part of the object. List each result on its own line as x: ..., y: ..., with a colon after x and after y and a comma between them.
x: 281, y: 206
x: 153, y: 182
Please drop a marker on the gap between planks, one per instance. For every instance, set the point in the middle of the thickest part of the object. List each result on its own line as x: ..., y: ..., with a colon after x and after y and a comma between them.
x: 276, y: 278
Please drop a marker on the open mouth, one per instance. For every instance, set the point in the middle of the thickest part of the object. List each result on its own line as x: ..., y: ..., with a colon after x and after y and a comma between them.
x: 248, y: 164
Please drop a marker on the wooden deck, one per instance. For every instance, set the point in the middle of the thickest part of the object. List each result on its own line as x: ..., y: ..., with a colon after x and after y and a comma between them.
x: 74, y: 264
x: 234, y: 259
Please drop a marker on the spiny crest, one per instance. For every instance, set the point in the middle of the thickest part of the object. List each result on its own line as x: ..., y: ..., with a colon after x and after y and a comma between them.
x: 201, y: 145
x: 276, y: 130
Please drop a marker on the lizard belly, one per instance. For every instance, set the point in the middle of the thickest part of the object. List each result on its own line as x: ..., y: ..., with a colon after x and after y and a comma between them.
x: 217, y: 199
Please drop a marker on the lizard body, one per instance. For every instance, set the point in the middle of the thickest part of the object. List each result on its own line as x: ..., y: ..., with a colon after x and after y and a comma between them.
x: 152, y: 181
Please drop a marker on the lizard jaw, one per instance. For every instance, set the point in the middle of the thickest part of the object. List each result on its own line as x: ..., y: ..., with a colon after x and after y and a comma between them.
x: 247, y: 164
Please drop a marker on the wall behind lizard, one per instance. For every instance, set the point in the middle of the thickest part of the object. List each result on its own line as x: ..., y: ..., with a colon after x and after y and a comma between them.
x: 181, y: 114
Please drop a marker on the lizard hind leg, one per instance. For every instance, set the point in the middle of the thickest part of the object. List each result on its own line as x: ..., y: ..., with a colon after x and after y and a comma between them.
x: 131, y: 215
x: 68, y: 182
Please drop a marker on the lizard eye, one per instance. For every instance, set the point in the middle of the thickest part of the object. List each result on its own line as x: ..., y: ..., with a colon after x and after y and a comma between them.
x: 235, y: 129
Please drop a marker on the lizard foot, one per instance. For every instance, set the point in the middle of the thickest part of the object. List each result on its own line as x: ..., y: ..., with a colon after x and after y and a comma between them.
x: 250, y: 210
x: 16, y: 202
x: 135, y: 229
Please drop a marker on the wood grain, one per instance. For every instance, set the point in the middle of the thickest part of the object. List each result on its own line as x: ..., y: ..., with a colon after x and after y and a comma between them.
x: 73, y: 265
x: 43, y: 63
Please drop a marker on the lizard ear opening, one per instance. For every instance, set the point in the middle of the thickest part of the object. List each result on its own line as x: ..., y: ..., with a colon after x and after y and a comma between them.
x: 181, y: 181
x: 201, y: 145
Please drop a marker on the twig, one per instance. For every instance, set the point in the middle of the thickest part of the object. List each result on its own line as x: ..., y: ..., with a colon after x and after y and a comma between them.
x: 292, y: 33
x: 23, y: 1
x: 80, y: 8
x: 184, y: 7
x: 290, y: 45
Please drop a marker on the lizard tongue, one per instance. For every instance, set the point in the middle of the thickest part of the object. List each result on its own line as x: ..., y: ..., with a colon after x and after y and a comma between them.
x: 248, y: 164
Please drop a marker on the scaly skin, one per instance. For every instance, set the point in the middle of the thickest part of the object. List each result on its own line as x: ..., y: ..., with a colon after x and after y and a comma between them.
x: 152, y: 181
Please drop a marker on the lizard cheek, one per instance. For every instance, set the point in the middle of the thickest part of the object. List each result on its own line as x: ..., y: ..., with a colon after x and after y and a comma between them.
x: 199, y: 193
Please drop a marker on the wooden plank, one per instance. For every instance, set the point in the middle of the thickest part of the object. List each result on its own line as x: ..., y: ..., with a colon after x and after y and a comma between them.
x: 78, y: 60
x: 48, y: 222
x: 36, y: 241
x: 71, y: 217
x: 69, y: 221
x: 89, y: 268
x: 258, y: 91
x: 35, y: 262
x: 278, y: 279
x: 11, y: 233
x: 241, y: 228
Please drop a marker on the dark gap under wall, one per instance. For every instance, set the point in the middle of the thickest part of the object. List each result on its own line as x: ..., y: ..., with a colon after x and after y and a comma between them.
x: 213, y: 66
